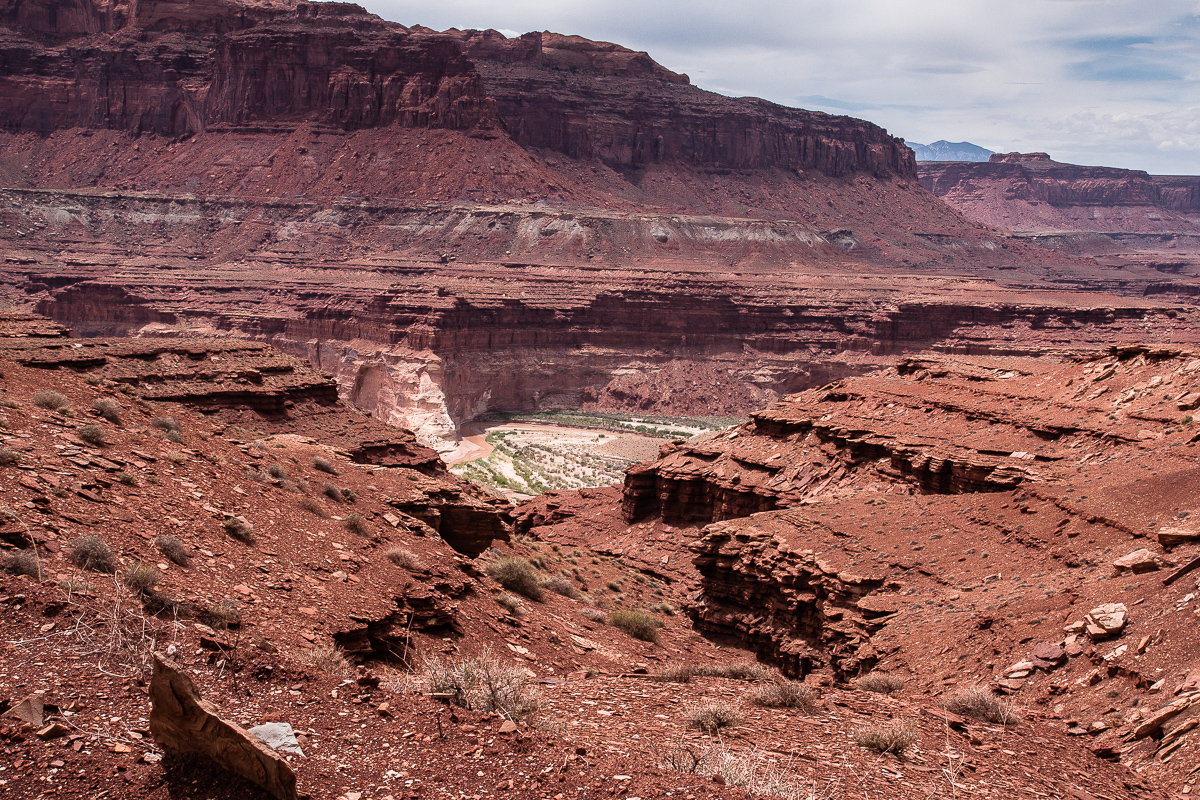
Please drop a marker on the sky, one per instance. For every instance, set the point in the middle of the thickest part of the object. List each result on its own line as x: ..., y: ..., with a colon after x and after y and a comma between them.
x: 1108, y: 82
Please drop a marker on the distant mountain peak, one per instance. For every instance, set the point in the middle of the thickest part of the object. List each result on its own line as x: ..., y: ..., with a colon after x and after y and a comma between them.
x: 942, y: 150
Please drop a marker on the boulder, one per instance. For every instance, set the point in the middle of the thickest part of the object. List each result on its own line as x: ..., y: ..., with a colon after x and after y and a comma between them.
x: 1139, y: 561
x: 182, y: 723
x: 1047, y: 656
x: 1169, y: 537
x: 1106, y: 620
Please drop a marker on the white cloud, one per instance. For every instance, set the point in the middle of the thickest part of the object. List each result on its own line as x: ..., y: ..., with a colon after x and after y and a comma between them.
x: 1112, y: 81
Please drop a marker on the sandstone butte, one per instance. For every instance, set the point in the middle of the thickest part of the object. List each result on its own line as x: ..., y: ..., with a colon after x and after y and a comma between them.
x: 263, y: 257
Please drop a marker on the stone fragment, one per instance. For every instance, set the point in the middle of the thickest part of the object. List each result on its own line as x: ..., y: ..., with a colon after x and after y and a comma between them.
x: 1047, y: 656
x: 1189, y: 401
x: 52, y: 731
x: 1168, y: 712
x: 278, y: 736
x: 508, y: 726
x: 1169, y: 537
x: 1106, y: 620
x: 182, y: 724
x: 1022, y: 669
x: 31, y: 711
x: 1139, y: 561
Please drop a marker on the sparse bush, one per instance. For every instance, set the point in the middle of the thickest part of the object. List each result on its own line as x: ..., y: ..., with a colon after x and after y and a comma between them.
x: 405, y: 558
x: 711, y: 717
x: 894, y: 736
x: 127, y: 478
x: 786, y: 694
x: 614, y: 586
x: 93, y: 435
x: 255, y: 475
x: 563, y: 586
x: 175, y: 550
x: 225, y: 613
x: 324, y: 465
x: 51, y: 401
x: 349, y: 496
x: 142, y: 577
x: 9, y: 458
x: 169, y: 424
x: 332, y: 492
x: 92, y: 552
x: 75, y: 586
x: 357, y: 525
x: 239, y: 529
x: 638, y: 624
x: 880, y: 682
x: 594, y: 615
x: 174, y: 436
x: 739, y: 671
x: 8, y: 403
x: 510, y: 603
x: 176, y: 457
x: 676, y: 673
x: 278, y: 472
x: 312, y: 506
x: 484, y: 684
x: 517, y: 575
x: 980, y: 703
x: 329, y: 660
x: 108, y: 409
x: 23, y: 562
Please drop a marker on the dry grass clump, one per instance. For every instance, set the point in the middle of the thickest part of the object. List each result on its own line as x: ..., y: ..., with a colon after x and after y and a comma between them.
x: 176, y: 551
x: 142, y: 577
x: 593, y: 615
x: 517, y: 575
x: 739, y: 671
x: 6, y: 402
x: 329, y: 660
x: 357, y: 525
x: 484, y: 683
x: 76, y: 586
x: 127, y: 478
x: 108, y: 409
x: 894, y: 736
x: 560, y: 585
x: 168, y: 424
x: 757, y: 772
x: 324, y: 465
x: 637, y: 624
x: 51, y: 401
x: 980, y: 703
x: 278, y: 472
x: 23, y: 562
x: 403, y: 557
x: 239, y: 529
x: 332, y: 492
x: 786, y: 694
x: 511, y: 603
x: 711, y: 717
x: 93, y: 435
x: 9, y: 458
x: 880, y: 682
x: 676, y: 672
x: 92, y: 552
x: 313, y: 506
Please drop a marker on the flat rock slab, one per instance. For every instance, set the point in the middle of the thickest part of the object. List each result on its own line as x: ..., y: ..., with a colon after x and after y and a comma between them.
x: 278, y: 736
x: 182, y: 723
x: 1047, y: 655
x: 1139, y: 561
x: 1169, y: 537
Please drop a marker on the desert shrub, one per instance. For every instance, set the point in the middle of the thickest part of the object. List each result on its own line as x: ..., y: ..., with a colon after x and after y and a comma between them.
x: 332, y: 492
x: 894, y: 736
x: 980, y: 703
x: 92, y: 552
x: 405, y: 558
x: 127, y: 478
x: 278, y: 472
x: 93, y: 435
x: 357, y: 525
x: 484, y: 683
x: 52, y: 401
x: 880, y: 682
x: 510, y: 603
x: 312, y: 506
x: 740, y: 671
x: 752, y: 770
x: 786, y: 694
x: 711, y: 717
x: 255, y: 475
x: 349, y: 496
x: 175, y: 551
x: 169, y: 424
x: 239, y: 529
x: 594, y: 615
x: 142, y: 577
x: 517, y: 575
x: 329, y: 660
x: 23, y: 562
x: 324, y: 465
x: 614, y: 585
x: 676, y: 672
x: 224, y: 613
x: 174, y: 436
x: 108, y: 409
x: 638, y: 624
x: 9, y: 458
x: 563, y: 586
x: 176, y: 457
